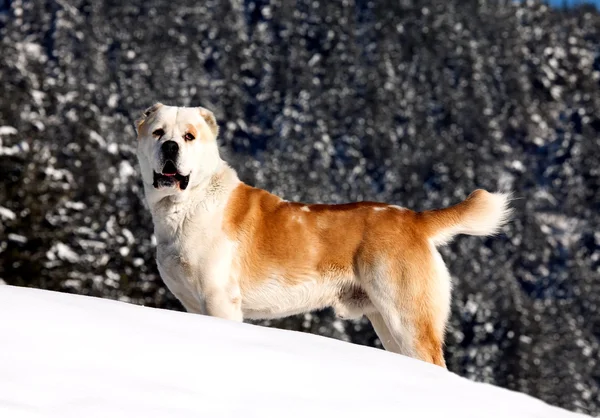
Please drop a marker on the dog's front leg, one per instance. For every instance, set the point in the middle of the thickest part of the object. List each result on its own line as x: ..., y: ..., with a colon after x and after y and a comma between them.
x: 190, y: 303
x: 174, y: 275
x: 221, y: 288
x: 224, y: 302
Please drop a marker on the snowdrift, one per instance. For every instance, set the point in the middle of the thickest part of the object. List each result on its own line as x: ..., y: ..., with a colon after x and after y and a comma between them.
x: 65, y: 355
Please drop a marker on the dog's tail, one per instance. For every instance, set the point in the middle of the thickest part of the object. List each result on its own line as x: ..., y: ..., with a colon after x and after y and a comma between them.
x: 481, y: 213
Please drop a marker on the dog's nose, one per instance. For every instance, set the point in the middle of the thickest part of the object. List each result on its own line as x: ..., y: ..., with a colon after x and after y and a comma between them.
x: 170, y: 150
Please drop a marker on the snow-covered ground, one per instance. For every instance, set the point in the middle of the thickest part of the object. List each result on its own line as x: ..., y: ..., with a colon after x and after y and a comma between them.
x: 65, y: 355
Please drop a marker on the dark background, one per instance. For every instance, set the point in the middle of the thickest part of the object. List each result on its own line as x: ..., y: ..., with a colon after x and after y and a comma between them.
x: 415, y: 103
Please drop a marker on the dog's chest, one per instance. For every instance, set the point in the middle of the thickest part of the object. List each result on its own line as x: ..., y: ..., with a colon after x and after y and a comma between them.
x: 183, y: 257
x: 177, y: 269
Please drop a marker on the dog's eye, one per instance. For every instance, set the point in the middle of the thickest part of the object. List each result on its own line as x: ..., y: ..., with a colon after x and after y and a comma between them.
x: 189, y: 137
x: 158, y: 132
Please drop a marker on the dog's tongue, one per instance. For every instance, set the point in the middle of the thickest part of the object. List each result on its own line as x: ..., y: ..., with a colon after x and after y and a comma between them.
x: 169, y: 169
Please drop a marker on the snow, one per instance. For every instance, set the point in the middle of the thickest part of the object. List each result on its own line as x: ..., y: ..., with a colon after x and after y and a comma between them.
x: 97, y: 138
x: 17, y: 238
x: 7, y: 130
x: 62, y: 251
x: 75, y: 205
x: 20, y: 148
x: 126, y: 170
x: 68, y: 355
x: 7, y: 214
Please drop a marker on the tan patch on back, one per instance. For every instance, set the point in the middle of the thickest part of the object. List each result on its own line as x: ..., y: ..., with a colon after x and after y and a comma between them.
x: 323, y: 241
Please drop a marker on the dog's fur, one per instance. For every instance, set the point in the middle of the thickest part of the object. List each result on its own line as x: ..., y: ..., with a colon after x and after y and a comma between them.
x: 233, y: 251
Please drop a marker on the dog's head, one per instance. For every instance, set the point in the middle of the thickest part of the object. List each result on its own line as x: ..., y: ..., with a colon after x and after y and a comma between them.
x: 177, y: 147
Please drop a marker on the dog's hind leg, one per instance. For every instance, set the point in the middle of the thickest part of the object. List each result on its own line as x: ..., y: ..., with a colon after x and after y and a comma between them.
x: 385, y: 336
x: 412, y: 299
x: 409, y: 330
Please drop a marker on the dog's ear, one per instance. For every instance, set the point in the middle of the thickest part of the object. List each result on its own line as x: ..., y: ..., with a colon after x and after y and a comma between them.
x: 209, y: 117
x: 147, y: 112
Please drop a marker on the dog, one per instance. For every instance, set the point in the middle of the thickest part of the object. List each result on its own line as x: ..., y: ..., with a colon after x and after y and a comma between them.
x: 233, y: 251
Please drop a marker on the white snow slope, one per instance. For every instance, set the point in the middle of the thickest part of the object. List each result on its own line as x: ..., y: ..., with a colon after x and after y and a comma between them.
x: 65, y: 355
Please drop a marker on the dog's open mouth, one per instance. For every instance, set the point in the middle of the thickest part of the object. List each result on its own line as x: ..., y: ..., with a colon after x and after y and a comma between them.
x: 170, y: 177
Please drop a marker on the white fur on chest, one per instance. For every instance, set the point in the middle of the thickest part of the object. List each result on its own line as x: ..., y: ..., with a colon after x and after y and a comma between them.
x: 192, y: 254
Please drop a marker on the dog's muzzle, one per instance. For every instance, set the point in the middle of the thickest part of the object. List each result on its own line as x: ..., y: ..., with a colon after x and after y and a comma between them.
x: 170, y: 177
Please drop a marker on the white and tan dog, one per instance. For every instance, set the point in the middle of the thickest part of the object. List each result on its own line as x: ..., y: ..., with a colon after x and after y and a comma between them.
x: 233, y: 251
